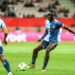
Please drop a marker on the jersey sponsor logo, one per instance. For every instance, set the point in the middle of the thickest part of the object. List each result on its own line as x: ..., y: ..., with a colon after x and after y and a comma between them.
x: 50, y: 29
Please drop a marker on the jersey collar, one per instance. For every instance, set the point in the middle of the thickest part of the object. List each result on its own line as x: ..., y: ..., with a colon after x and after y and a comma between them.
x: 52, y: 21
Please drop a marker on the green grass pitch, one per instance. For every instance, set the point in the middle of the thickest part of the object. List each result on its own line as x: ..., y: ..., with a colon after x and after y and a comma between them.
x: 62, y: 59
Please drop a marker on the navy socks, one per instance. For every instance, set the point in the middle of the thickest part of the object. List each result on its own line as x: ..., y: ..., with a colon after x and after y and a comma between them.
x: 6, y: 65
x: 33, y: 61
x: 45, y: 64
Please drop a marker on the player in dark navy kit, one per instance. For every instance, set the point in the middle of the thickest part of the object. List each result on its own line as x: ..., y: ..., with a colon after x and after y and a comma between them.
x: 52, y: 30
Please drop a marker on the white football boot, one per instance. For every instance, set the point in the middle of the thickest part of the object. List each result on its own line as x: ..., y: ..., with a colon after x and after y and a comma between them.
x: 9, y: 73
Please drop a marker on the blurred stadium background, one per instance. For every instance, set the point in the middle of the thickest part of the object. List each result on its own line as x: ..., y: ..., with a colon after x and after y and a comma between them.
x: 25, y: 21
x: 29, y: 16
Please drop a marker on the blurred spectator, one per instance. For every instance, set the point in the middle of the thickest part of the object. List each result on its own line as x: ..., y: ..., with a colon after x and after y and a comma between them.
x: 5, y: 2
x: 9, y: 13
x: 12, y: 9
x: 13, y: 2
x: 3, y: 6
x: 24, y: 15
x: 59, y: 15
x: 73, y: 27
x: 60, y: 9
x: 18, y: 30
x: 73, y: 15
x: 1, y: 14
x: 6, y: 12
x: 65, y: 12
x: 42, y: 9
x: 29, y: 4
x: 57, y: 2
x: 36, y: 0
x: 30, y: 15
x: 51, y: 5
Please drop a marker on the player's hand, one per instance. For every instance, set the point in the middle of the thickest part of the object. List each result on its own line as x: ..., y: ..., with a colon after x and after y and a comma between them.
x: 39, y: 39
x: 5, y: 42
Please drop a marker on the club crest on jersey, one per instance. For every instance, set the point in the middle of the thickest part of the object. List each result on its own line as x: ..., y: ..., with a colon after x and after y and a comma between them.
x: 53, y: 26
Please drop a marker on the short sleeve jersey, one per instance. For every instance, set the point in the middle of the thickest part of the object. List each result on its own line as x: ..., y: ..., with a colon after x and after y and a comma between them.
x: 53, y: 29
x: 2, y: 24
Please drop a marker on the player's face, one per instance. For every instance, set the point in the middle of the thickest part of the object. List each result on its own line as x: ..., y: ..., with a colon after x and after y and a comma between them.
x: 50, y: 15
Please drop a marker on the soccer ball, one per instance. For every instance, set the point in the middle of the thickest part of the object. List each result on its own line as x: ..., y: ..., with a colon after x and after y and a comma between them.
x: 22, y: 66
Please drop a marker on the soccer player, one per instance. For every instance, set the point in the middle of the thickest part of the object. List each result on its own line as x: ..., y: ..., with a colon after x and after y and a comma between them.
x: 52, y: 30
x: 2, y: 57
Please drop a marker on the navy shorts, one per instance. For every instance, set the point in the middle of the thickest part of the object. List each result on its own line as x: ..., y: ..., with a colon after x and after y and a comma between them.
x: 1, y: 51
x: 45, y: 44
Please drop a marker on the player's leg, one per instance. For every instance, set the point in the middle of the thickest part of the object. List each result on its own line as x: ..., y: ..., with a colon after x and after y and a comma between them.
x: 35, y: 53
x: 50, y: 47
x: 5, y: 62
x: 34, y: 56
x: 42, y: 45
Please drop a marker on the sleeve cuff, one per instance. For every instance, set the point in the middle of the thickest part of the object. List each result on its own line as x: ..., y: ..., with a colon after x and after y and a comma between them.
x: 62, y: 26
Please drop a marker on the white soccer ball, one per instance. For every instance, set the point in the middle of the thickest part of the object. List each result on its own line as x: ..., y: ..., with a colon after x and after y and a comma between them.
x: 22, y: 66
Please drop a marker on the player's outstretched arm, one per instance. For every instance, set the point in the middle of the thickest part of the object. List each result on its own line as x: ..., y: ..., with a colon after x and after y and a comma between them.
x: 69, y: 29
x: 5, y: 35
x: 44, y: 35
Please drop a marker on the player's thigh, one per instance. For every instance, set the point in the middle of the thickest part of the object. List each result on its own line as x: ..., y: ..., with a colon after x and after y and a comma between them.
x: 1, y: 53
x: 45, y: 44
x: 51, y: 46
x: 39, y: 46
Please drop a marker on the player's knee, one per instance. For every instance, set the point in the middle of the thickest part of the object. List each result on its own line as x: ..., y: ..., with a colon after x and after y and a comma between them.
x: 35, y: 51
x: 49, y: 49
